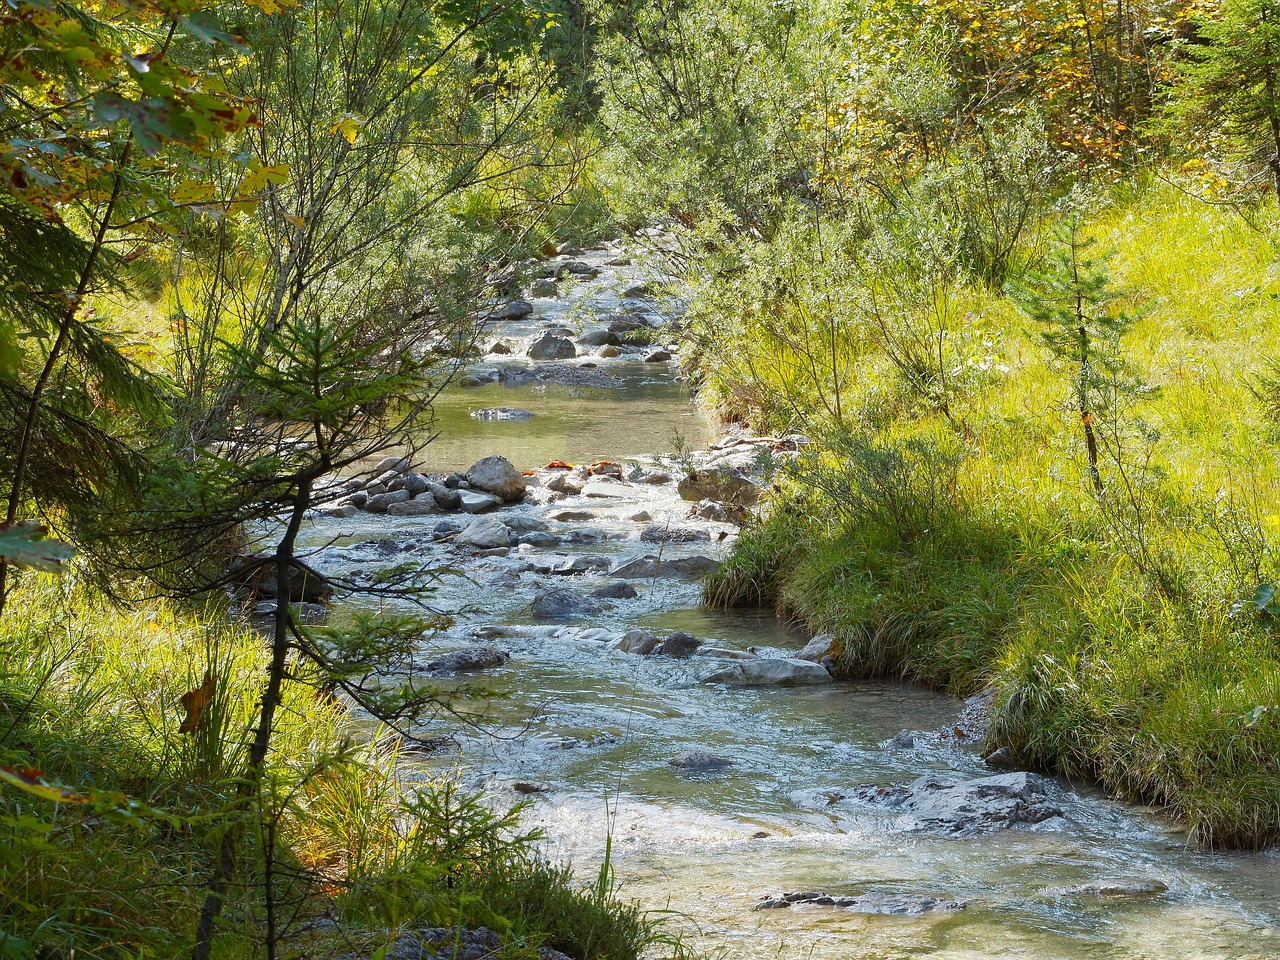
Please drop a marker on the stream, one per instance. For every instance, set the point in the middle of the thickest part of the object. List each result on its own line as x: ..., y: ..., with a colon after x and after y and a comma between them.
x: 586, y: 731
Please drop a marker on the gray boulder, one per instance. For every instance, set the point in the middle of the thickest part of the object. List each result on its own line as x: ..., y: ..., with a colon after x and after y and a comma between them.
x: 657, y: 356
x: 637, y: 641
x: 484, y: 533
x: 523, y: 523
x: 599, y: 338
x: 547, y: 347
x: 1119, y: 888
x: 779, y: 672
x: 725, y: 485
x: 444, y: 496
x: 616, y: 591
x: 498, y: 476
x: 873, y: 901
x: 469, y: 658
x: 514, y: 310
x: 966, y: 808
x: 544, y: 287
x: 680, y: 645
x: 380, y: 503
x: 819, y: 648
x: 662, y: 533
x: 415, y: 483
x: 393, y: 465
x: 564, y: 605
x: 421, y: 506
x: 540, y: 539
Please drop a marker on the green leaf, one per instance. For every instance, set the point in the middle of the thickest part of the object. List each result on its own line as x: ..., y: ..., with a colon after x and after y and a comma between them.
x: 25, y: 544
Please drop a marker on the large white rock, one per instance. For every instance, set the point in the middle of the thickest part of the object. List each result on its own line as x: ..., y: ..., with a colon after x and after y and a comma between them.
x: 477, y: 501
x: 779, y: 672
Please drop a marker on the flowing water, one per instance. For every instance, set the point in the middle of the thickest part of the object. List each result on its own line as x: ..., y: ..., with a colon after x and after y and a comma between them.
x: 590, y: 729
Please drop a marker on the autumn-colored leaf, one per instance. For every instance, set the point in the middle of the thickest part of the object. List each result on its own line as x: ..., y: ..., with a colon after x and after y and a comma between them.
x: 194, y: 701
x: 559, y: 465
x: 34, y: 783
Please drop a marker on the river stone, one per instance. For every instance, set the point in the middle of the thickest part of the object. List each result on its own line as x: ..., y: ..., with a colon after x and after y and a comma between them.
x: 1002, y: 758
x: 415, y: 483
x: 392, y: 464
x: 680, y: 645
x: 608, y: 353
x: 657, y: 356
x: 581, y: 269
x: 469, y: 658
x: 514, y: 376
x: 305, y: 612
x: 649, y: 566
x: 484, y: 533
x: 618, y: 590
x: 908, y: 740
x: 661, y: 533
x: 762, y: 672
x: 498, y: 476
x: 692, y: 566
x: 547, y: 347
x: 447, y: 499
x: 501, y: 413
x: 726, y: 485
x: 602, y: 488
x: 382, y: 501
x: 564, y: 605
x: 343, y: 511
x: 475, y: 501
x: 627, y: 323
x: 523, y: 523
x: 967, y: 808
x: 500, y: 347
x: 698, y: 760
x: 637, y: 568
x: 514, y: 310
x: 637, y: 641
x: 873, y: 901
x: 539, y: 539
x: 421, y: 506
x: 639, y: 291
x: 600, y: 338
x: 1119, y: 888
x: 544, y: 287
x: 565, y: 483
x: 569, y: 516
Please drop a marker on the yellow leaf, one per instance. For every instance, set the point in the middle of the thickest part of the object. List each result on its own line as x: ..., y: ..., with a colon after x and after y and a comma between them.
x: 34, y: 783
x: 296, y: 222
x: 191, y: 191
x: 348, y: 126
x: 194, y: 702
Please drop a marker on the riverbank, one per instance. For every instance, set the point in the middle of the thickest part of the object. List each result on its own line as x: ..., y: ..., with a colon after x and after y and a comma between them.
x: 964, y: 545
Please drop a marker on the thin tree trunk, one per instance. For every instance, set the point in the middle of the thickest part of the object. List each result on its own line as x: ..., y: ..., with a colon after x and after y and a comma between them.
x: 250, y: 786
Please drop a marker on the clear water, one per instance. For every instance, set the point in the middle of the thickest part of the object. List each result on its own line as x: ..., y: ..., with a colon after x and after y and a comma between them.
x: 595, y: 728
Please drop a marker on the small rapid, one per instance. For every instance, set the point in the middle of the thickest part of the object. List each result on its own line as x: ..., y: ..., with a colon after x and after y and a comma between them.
x: 587, y: 733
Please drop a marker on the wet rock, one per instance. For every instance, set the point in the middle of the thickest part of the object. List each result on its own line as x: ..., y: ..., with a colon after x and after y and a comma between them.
x: 908, y: 740
x: 498, y: 476
x: 638, y: 568
x: 446, y: 497
x: 358, y: 499
x: 602, y: 488
x: 544, y: 287
x: 455, y: 481
x: 680, y: 645
x: 657, y: 356
x: 639, y: 291
x: 447, y: 529
x: 638, y: 642
x: 547, y: 347
x: 565, y: 483
x: 650, y: 566
x: 572, y: 516
x: 342, y: 512
x: 515, y: 310
x: 608, y: 353
x: 1119, y: 888
x: 966, y: 808
x: 420, y: 506
x: 975, y: 715
x: 257, y: 575
x: 527, y: 787
x: 616, y: 591
x: 726, y: 485
x: 641, y: 516
x: 380, y: 503
x: 475, y: 501
x: 716, y: 511
x: 570, y: 566
x: 1002, y: 758
x: 501, y: 413
x: 771, y: 672
x: 415, y: 483
x: 663, y: 533
x: 477, y: 379
x: 873, y: 901
x: 484, y: 533
x: 304, y: 612
x: 579, y: 269
x: 500, y: 347
x: 564, y: 605
x: 514, y: 376
x: 692, y: 566
x: 819, y: 648
x: 695, y: 761
x: 468, y: 659
x: 523, y: 523
x: 539, y: 539
x: 600, y: 338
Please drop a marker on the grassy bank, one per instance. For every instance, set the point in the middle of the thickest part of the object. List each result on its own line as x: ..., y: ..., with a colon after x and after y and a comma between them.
x: 90, y: 697
x: 962, y: 543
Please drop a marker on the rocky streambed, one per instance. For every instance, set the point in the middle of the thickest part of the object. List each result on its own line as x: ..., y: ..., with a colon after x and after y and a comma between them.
x: 778, y: 812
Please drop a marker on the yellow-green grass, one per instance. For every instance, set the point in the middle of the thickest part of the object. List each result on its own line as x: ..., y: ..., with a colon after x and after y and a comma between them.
x: 1105, y: 629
